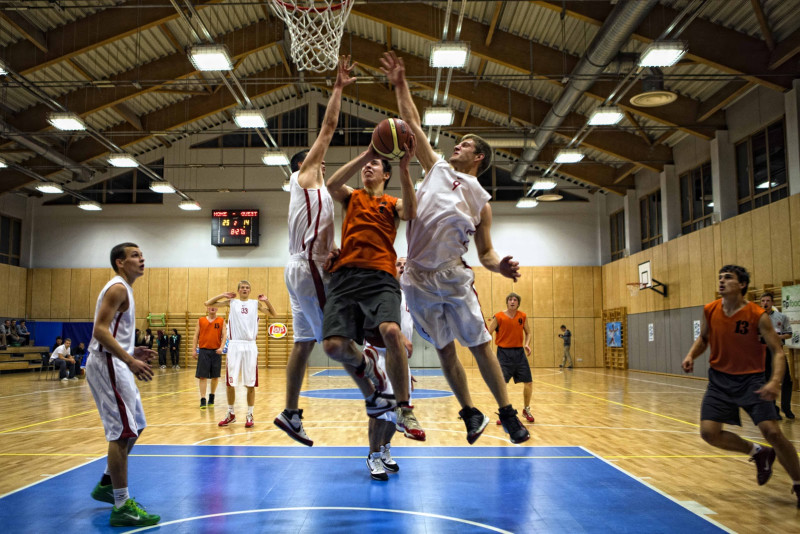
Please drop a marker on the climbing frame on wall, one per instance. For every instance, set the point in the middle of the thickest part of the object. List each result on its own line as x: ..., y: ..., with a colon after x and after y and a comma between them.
x: 615, y: 350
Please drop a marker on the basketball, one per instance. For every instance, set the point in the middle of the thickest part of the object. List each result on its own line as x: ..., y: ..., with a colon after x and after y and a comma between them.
x: 389, y: 136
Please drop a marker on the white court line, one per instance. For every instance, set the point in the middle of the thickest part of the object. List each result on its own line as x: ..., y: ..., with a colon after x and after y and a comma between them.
x: 321, y: 508
x: 640, y: 481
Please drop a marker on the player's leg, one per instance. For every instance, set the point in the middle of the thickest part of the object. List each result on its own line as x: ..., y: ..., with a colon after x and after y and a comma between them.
x: 396, y: 360
x: 786, y: 393
x: 491, y: 372
x: 203, y: 384
x: 454, y: 373
x: 713, y: 433
x: 376, y: 469
x: 295, y: 371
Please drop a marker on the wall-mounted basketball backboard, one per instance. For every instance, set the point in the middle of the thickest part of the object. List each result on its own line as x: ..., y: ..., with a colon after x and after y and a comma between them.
x: 646, y: 280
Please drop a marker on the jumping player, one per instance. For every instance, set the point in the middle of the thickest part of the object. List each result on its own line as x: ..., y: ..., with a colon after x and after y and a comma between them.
x: 731, y: 325
x: 310, y: 242
x: 112, y: 364
x: 437, y: 283
x: 241, y: 364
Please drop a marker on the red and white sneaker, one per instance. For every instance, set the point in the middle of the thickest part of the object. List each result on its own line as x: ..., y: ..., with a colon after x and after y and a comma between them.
x: 248, y: 423
x: 230, y: 418
x: 526, y: 413
x: 372, y: 370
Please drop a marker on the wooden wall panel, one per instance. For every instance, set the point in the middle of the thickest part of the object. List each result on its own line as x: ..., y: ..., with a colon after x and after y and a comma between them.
x: 563, y: 295
x: 583, y: 292
x: 695, y: 253
x: 218, y: 282
x: 60, y: 280
x: 781, y: 242
x: 483, y: 286
x: 40, y: 294
x: 278, y: 294
x: 524, y: 288
x: 17, y: 291
x: 659, y: 266
x: 236, y: 275
x: 5, y: 291
x: 98, y: 279
x: 178, y: 290
x: 493, y: 295
x: 80, y: 300
x: 543, y: 291
x: 708, y: 265
x: 197, y: 288
x: 543, y: 355
x: 158, y: 289
x: 599, y: 341
x: 744, y: 241
x: 727, y: 236
x: 684, y: 272
x: 673, y: 299
x: 794, y: 224
x: 761, y: 274
x: 597, y: 276
x: 259, y: 280
x: 582, y: 341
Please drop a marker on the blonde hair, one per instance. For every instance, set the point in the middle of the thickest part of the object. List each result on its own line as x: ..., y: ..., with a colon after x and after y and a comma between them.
x: 242, y: 282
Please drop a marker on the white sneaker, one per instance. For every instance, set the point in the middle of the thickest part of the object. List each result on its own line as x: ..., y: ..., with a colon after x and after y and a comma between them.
x: 292, y: 424
x: 375, y: 465
x: 65, y: 379
x: 386, y: 458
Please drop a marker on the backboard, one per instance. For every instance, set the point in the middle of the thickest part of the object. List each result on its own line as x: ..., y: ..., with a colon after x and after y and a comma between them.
x: 645, y: 276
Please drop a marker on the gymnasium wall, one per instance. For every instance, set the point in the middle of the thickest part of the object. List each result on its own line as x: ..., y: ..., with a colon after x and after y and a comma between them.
x: 12, y: 291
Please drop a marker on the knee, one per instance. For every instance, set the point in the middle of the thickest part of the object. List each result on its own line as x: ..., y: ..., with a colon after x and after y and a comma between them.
x: 771, y: 433
x: 710, y: 436
x: 391, y: 333
x: 333, y: 346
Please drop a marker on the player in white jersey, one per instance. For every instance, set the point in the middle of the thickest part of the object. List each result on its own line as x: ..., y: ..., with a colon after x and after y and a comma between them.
x: 452, y: 206
x: 241, y: 363
x: 310, y: 242
x: 382, y: 428
x: 112, y: 367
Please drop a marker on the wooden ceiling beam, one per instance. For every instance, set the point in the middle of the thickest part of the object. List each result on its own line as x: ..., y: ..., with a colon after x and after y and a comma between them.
x: 763, y: 23
x: 498, y: 8
x: 129, y: 115
x: 785, y: 50
x: 26, y: 28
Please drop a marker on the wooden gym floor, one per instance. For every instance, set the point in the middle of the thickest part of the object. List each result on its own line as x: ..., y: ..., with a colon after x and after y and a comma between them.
x: 645, y: 424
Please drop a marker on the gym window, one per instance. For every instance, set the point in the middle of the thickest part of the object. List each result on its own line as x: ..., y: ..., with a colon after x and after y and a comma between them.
x: 132, y: 187
x: 650, y: 219
x: 288, y: 129
x: 617, y: 220
x: 761, y: 168
x: 10, y: 240
x: 696, y: 199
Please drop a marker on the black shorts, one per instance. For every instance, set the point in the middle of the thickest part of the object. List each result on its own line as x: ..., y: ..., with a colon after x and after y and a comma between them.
x: 514, y: 364
x: 727, y: 393
x: 209, y: 364
x: 358, y: 301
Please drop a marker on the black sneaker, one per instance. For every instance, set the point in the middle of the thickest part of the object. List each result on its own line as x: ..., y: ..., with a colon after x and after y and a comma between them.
x: 211, y: 399
x: 512, y: 425
x: 764, y: 460
x: 796, y: 491
x: 475, y: 422
x: 789, y: 414
x: 203, y: 403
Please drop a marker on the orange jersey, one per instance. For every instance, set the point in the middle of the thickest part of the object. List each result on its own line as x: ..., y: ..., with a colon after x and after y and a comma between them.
x: 510, y: 330
x: 368, y: 233
x: 736, y: 347
x: 210, y: 336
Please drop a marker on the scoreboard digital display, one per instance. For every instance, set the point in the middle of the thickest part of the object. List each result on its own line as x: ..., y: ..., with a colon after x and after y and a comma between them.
x: 234, y: 228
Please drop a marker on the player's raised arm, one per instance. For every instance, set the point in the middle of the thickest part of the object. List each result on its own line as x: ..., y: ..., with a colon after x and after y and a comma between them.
x: 337, y: 184
x: 265, y: 306
x: 487, y: 254
x: 222, y: 300
x: 395, y: 71
x: 407, y: 204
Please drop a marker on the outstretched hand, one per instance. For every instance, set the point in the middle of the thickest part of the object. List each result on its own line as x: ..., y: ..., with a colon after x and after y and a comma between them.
x: 263, y: 298
x: 344, y: 76
x: 509, y: 268
x: 393, y: 67
x: 144, y: 354
x: 229, y: 295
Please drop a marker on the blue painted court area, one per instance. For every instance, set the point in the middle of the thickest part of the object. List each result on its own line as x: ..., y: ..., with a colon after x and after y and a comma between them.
x: 354, y: 394
x: 213, y: 489
x: 414, y: 372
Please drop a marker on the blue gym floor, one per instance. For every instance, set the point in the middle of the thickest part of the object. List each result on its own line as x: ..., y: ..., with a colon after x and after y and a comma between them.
x: 213, y: 489
x: 414, y: 372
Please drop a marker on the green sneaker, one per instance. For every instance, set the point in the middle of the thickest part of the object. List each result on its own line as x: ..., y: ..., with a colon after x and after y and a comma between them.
x: 131, y: 514
x: 103, y: 493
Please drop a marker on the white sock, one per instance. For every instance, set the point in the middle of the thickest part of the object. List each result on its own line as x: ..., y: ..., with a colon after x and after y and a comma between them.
x: 755, y: 449
x: 120, y: 496
x: 107, y: 472
x: 230, y: 408
x: 250, y: 410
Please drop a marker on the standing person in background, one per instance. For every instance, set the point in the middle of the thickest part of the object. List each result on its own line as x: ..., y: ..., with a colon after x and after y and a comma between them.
x: 566, y: 335
x: 209, y: 338
x: 139, y: 338
x: 783, y: 327
x: 513, y: 342
x: 148, y: 339
x: 174, y: 348
x: 162, y: 343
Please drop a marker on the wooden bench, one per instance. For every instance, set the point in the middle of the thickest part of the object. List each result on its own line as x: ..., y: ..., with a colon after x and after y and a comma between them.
x: 28, y: 357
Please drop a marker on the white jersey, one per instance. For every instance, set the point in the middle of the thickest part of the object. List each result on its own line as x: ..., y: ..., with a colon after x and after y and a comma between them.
x: 243, y: 320
x: 406, y: 323
x: 123, y: 325
x: 449, y: 207
x: 310, y: 221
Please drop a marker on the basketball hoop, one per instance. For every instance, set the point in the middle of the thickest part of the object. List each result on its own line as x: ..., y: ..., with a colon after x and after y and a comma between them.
x: 315, y: 31
x: 635, y: 287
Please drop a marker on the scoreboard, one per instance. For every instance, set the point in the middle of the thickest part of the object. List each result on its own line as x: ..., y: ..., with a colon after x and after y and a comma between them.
x: 230, y: 228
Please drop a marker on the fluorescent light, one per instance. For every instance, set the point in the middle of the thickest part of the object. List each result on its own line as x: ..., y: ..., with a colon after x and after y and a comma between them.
x: 544, y: 184
x: 161, y: 187
x: 449, y: 55
x: 605, y: 116
x: 3, y: 70
x: 438, y: 116
x: 274, y: 158
x: 569, y: 155
x: 49, y: 187
x: 710, y: 204
x: 89, y: 205
x: 189, y: 205
x: 3, y: 163
x: 527, y: 202
x: 122, y: 160
x: 287, y: 185
x: 65, y: 120
x: 249, y: 118
x: 662, y: 53
x: 766, y: 185
x: 210, y: 57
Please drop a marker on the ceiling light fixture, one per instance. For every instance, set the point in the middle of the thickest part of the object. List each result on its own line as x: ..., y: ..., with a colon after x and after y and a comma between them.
x: 449, y: 54
x: 3, y: 163
x: 569, y: 155
x: 438, y: 116
x: 161, y: 187
x: 417, y: 184
x: 605, y: 116
x: 544, y: 184
x: 3, y: 70
x: 662, y: 53
x: 89, y: 205
x: 274, y: 158
x: 249, y: 118
x: 122, y: 160
x: 527, y: 202
x: 49, y: 187
x: 287, y: 185
x: 210, y: 57
x: 66, y: 121
x: 189, y: 205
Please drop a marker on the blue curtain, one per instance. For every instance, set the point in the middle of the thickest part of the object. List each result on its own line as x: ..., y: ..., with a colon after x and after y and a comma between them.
x: 44, y: 333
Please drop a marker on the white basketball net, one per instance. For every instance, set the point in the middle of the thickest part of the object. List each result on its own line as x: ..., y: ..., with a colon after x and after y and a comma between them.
x: 315, y: 31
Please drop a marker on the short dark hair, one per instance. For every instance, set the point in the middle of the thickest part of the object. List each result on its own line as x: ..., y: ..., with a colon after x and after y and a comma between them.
x: 512, y: 294
x: 564, y: 326
x: 481, y: 147
x: 741, y: 275
x: 118, y: 253
x: 387, y: 168
x: 297, y: 159
x: 768, y: 294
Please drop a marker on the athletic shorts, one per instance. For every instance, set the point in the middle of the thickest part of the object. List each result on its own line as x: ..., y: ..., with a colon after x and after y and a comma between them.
x: 114, y: 389
x: 514, y: 364
x: 358, y: 301
x: 380, y: 356
x: 242, y: 364
x: 727, y: 393
x: 444, y: 305
x: 209, y: 364
x: 304, y: 299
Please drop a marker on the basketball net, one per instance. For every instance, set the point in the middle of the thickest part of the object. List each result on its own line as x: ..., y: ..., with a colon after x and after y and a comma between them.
x: 315, y: 31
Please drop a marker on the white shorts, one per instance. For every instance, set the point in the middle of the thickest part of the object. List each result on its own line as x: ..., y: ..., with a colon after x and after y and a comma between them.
x: 241, y: 367
x: 114, y: 389
x: 380, y: 357
x: 444, y: 305
x: 304, y: 299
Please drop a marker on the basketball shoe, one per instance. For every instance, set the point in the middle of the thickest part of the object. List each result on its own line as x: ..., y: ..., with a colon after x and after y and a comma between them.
x: 386, y: 458
x: 475, y: 421
x: 796, y: 491
x: 103, y: 493
x: 377, y: 404
x: 407, y: 423
x: 132, y: 514
x: 372, y: 371
x: 248, y: 421
x: 291, y: 422
x: 512, y: 425
x: 526, y: 413
x: 375, y: 465
x: 230, y: 418
x: 763, y: 460
x: 203, y: 403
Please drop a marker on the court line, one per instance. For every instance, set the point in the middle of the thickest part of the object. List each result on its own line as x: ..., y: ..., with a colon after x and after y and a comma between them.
x: 48, y: 478
x: 321, y: 508
x: 356, y: 457
x: 647, y: 484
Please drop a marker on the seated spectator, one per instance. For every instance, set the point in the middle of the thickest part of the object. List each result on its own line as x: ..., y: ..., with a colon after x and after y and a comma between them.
x: 23, y: 333
x: 3, y: 336
x: 78, y: 353
x: 64, y: 362
x: 12, y: 338
x: 57, y: 344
